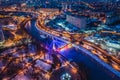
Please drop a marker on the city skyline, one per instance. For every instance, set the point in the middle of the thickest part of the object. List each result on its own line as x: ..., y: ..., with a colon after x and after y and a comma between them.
x: 59, y: 40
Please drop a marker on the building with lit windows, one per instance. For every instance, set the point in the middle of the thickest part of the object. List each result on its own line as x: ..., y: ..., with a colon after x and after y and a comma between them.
x: 78, y: 21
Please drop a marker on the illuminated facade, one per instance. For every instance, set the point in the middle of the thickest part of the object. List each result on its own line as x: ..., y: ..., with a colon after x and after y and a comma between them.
x: 79, y: 22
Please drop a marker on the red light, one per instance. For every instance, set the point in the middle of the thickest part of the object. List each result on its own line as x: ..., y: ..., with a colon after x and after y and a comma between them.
x: 65, y: 47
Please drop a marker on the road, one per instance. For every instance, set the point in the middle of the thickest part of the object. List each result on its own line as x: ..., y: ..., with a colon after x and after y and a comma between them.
x: 66, y: 66
x: 94, y: 68
x: 66, y: 38
x: 36, y: 34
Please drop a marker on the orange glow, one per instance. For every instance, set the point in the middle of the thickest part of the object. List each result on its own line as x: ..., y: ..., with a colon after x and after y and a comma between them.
x: 31, y: 54
x: 58, y: 66
x: 74, y: 70
x: 3, y: 68
x: 101, y: 57
x: 27, y: 64
x: 94, y: 52
x: 116, y: 67
x: 37, y: 70
x: 21, y: 72
x: 65, y: 47
x: 37, y: 57
x: 47, y: 76
x: 6, y: 78
x: 48, y: 61
x: 66, y: 63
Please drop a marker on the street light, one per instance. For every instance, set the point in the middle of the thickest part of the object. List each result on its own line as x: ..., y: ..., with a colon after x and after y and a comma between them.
x: 66, y: 76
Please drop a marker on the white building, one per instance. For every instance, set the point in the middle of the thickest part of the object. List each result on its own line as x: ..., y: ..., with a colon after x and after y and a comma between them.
x: 78, y: 21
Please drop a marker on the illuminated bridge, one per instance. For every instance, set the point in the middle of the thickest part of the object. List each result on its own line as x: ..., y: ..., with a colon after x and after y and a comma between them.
x: 59, y: 44
x: 94, y: 60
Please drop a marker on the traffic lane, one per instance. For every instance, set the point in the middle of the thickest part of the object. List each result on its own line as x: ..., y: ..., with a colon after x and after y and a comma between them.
x: 93, y: 69
x: 89, y: 63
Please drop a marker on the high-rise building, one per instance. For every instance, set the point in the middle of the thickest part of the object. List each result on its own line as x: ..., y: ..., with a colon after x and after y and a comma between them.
x: 78, y: 21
